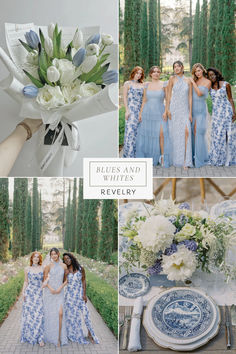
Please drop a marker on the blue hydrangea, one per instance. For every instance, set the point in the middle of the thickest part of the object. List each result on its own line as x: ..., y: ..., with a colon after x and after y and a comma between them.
x: 170, y: 250
x: 156, y: 268
x: 184, y: 206
x: 189, y: 244
x: 183, y: 219
x: 172, y: 219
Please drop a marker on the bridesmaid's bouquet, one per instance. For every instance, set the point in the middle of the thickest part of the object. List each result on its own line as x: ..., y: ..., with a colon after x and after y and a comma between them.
x: 173, y: 240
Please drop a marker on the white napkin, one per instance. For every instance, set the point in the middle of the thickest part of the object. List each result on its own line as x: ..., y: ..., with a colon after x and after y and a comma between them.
x: 134, y: 337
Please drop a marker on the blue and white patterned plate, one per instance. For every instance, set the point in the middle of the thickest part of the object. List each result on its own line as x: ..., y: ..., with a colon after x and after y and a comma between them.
x: 133, y: 285
x: 181, y: 315
x: 226, y: 208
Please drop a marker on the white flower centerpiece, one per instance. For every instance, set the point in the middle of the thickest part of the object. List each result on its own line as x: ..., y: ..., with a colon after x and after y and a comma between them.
x: 175, y: 241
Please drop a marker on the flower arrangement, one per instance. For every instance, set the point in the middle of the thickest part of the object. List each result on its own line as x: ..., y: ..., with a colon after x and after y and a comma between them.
x: 62, y: 74
x: 173, y: 240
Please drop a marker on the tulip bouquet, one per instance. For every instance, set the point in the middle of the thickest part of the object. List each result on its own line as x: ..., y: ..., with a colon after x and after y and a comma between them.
x: 63, y: 74
x: 173, y: 240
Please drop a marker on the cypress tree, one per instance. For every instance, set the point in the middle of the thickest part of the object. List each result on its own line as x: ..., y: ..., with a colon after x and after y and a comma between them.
x: 106, y: 239
x: 4, y: 203
x: 152, y: 27
x: 211, y: 38
x: 23, y: 195
x: 68, y: 223
x: 73, y: 217
x: 137, y: 32
x: 144, y: 38
x: 115, y: 227
x: 228, y: 40
x: 79, y: 218
x: 196, y: 37
x: 219, y: 42
x: 40, y: 221
x: 92, y: 245
x: 16, y: 239
x: 203, y: 34
x: 129, y: 61
x: 28, y: 238
x: 85, y: 228
x: 35, y: 217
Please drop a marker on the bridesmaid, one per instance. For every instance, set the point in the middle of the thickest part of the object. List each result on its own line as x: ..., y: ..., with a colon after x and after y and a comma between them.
x: 180, y: 114
x: 201, y: 86
x: 55, y: 273
x: 32, y: 314
x: 133, y: 95
x: 75, y: 302
x: 153, y: 137
x: 223, y: 143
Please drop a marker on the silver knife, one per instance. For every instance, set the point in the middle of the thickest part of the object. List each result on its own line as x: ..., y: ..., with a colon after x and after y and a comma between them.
x: 227, y: 327
x: 233, y: 315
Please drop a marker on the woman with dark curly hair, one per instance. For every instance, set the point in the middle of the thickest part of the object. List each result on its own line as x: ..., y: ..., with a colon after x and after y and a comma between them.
x: 32, y: 330
x: 133, y: 95
x: 223, y: 132
x: 201, y: 87
x: 75, y: 302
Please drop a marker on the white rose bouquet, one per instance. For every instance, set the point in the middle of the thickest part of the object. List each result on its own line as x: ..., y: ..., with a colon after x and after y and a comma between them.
x: 175, y: 241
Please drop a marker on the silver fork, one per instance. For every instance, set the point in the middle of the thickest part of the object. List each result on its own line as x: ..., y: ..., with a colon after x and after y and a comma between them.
x: 121, y: 321
x: 128, y: 313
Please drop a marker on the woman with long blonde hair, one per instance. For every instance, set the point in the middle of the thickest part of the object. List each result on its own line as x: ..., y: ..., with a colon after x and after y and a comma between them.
x: 201, y: 87
x: 133, y: 95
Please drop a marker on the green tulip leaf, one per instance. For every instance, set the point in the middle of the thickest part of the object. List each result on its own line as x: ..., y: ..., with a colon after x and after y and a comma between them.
x: 98, y: 75
x: 42, y: 39
x: 35, y: 81
x: 26, y: 46
x: 43, y: 60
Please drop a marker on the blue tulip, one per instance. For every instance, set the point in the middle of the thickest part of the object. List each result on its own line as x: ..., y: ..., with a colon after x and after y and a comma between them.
x: 30, y: 91
x: 110, y: 77
x: 79, y: 57
x: 32, y: 39
x: 93, y: 39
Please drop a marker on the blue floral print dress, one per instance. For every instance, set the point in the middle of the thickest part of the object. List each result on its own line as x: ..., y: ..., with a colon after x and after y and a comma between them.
x: 33, y: 315
x: 223, y: 137
x: 75, y: 308
x: 135, y: 97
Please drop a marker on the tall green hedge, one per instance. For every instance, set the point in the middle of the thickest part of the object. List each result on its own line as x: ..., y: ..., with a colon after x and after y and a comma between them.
x: 9, y: 293
x: 104, y: 299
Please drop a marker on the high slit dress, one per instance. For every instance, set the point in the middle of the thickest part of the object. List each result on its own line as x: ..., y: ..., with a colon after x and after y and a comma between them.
x: 52, y: 305
x: 148, y: 136
x: 199, y: 143
x: 179, y: 108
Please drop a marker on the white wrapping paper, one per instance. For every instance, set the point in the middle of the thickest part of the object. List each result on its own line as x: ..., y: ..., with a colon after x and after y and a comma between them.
x: 134, y: 337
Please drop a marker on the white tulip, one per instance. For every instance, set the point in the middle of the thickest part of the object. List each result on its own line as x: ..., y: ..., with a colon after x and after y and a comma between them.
x: 88, y: 63
x: 48, y: 46
x: 77, y: 41
x: 51, y: 28
x: 50, y: 97
x: 92, y: 49
x: 107, y: 39
x: 89, y: 89
x: 53, y: 74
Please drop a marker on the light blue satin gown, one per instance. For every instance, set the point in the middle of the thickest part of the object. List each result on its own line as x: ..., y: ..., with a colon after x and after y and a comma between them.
x: 77, y: 310
x: 179, y: 108
x: 199, y: 114
x: 52, y: 304
x: 148, y: 136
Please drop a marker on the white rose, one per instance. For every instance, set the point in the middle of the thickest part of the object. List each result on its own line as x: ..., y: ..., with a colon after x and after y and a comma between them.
x: 51, y: 28
x: 50, y: 97
x: 71, y: 93
x: 77, y: 41
x: 32, y: 57
x: 107, y: 39
x: 156, y: 233
x: 186, y: 232
x: 66, y: 69
x: 88, y: 63
x: 48, y: 46
x: 89, y: 89
x: 53, y: 74
x: 92, y: 49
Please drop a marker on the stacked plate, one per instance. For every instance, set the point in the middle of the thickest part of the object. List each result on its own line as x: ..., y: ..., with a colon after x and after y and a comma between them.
x: 226, y: 208
x: 181, y: 319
